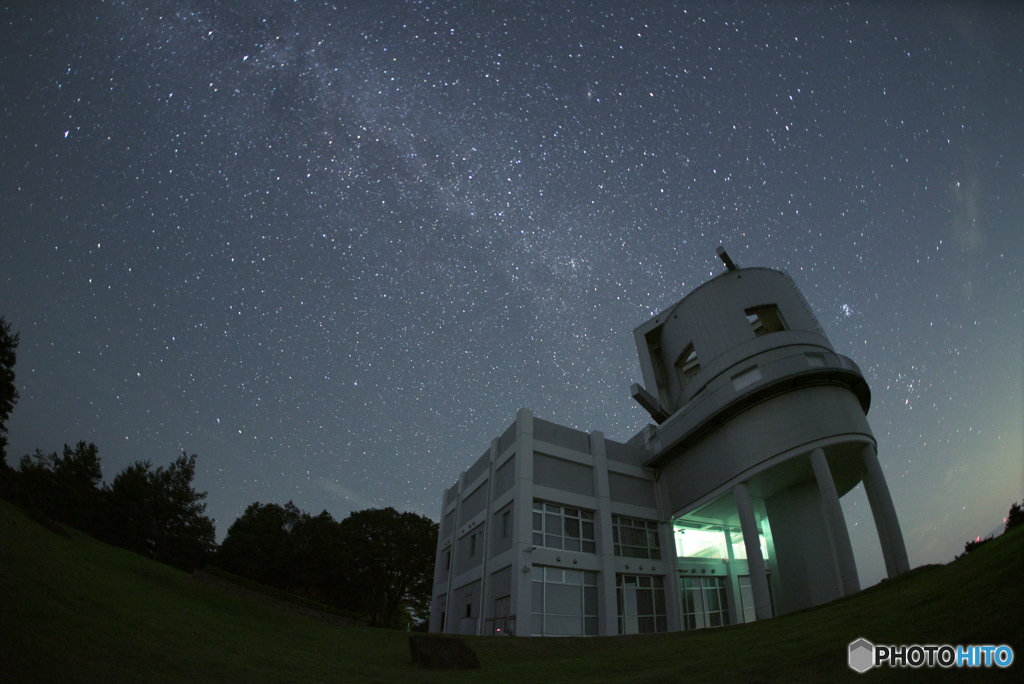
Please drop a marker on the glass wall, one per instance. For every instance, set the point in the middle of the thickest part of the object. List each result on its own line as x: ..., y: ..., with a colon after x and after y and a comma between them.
x: 564, y: 602
x: 636, y: 538
x: 705, y: 602
x: 641, y: 602
x: 712, y: 541
x: 703, y: 541
x: 562, y: 527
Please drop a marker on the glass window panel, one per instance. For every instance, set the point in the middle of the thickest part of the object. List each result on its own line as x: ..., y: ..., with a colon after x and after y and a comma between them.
x: 590, y: 600
x: 538, y: 522
x: 645, y: 624
x: 552, y: 542
x: 562, y: 600
x: 588, y: 530
x: 715, y: 619
x: 644, y: 602
x: 572, y: 544
x: 590, y: 547
x: 537, y: 624
x: 538, y: 573
x: 590, y: 578
x: 538, y: 596
x: 632, y: 537
x: 591, y: 626
x: 587, y: 515
x: 563, y: 625
x: 553, y: 574
x: 553, y: 523
x: 538, y: 506
x: 712, y: 599
x: 572, y: 527
x: 552, y: 508
x: 538, y: 539
x: 659, y: 601
x: 573, y: 577
x: 572, y: 511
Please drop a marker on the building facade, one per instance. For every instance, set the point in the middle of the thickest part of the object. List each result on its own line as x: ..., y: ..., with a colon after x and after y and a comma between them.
x: 724, y: 510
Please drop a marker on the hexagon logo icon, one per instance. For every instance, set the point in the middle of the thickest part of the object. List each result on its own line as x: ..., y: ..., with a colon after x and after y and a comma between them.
x: 862, y: 655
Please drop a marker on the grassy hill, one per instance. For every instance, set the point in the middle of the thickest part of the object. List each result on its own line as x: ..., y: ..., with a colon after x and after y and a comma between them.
x: 75, y: 610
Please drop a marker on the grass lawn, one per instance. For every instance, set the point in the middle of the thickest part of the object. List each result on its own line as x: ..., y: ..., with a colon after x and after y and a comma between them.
x: 75, y: 610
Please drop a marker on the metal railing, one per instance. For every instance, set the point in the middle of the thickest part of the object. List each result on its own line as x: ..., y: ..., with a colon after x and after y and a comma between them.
x: 500, y: 626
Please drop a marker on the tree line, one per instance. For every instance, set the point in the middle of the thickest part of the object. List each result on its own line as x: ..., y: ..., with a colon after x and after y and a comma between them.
x: 376, y: 563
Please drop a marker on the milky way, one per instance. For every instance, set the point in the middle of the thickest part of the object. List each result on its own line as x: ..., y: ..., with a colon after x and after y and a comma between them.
x: 333, y: 249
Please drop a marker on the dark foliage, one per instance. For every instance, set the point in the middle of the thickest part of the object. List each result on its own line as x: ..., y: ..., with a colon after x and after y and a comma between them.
x: 378, y: 563
x: 63, y: 487
x: 973, y: 545
x: 391, y: 561
x: 8, y: 390
x: 259, y: 544
x: 154, y: 512
x: 157, y: 513
x: 1015, y: 517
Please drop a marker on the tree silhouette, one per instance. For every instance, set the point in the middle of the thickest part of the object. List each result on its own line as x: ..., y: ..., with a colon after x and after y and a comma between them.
x: 8, y: 390
x: 158, y: 513
x: 378, y: 563
x: 1015, y: 517
x: 259, y: 544
x: 390, y: 556
x: 63, y: 487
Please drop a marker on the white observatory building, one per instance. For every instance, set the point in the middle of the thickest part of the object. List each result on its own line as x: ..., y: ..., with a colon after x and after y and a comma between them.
x: 725, y: 511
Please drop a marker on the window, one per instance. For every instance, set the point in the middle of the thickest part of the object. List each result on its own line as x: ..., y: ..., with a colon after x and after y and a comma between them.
x: 705, y: 602
x: 448, y: 559
x: 765, y: 319
x: 687, y: 366
x: 700, y: 541
x: 564, y: 602
x: 506, y: 524
x: 641, y: 601
x: 503, y: 624
x: 561, y: 527
x: 636, y: 538
x: 472, y: 544
x: 739, y: 547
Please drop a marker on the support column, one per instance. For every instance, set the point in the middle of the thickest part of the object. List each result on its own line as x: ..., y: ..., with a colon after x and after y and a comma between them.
x: 607, y: 603
x: 755, y: 561
x: 886, y: 523
x: 522, y: 587
x: 836, y: 523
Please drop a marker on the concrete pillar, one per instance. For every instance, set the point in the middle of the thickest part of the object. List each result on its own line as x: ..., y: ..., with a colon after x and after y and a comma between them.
x: 607, y: 603
x: 666, y: 528
x: 522, y: 587
x: 835, y: 523
x: 755, y: 561
x: 886, y: 523
x: 487, y: 602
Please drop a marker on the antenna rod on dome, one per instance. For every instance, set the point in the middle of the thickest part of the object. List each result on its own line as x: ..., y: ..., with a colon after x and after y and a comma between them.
x: 724, y: 256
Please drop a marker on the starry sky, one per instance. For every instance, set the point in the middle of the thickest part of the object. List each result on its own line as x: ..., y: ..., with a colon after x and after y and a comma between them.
x: 332, y: 248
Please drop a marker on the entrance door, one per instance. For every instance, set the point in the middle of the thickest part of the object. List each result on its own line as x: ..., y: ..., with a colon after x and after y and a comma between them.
x: 705, y: 602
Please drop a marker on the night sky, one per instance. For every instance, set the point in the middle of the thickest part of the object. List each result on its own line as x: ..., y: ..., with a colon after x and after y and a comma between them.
x: 332, y: 249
